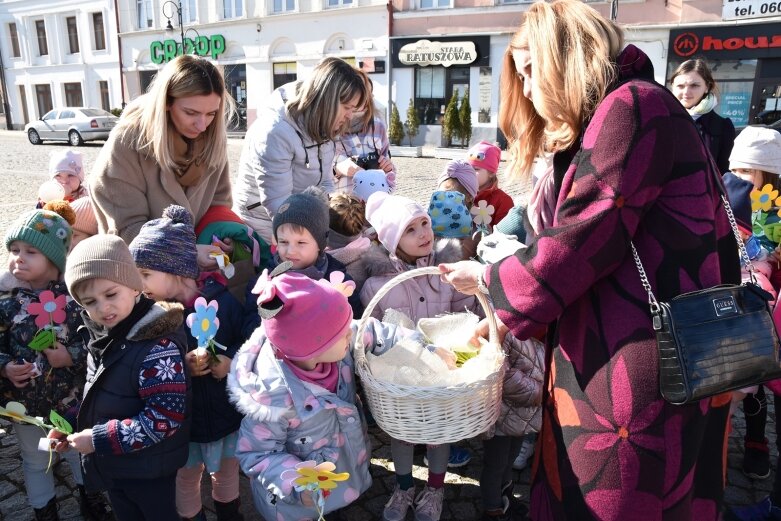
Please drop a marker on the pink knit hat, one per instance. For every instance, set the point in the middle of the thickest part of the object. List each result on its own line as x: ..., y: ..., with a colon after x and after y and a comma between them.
x: 66, y: 161
x: 484, y: 155
x: 462, y: 172
x: 86, y: 222
x: 302, y: 317
x: 390, y: 215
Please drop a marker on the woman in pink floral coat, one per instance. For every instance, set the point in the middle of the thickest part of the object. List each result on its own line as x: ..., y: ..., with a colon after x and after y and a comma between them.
x: 629, y: 165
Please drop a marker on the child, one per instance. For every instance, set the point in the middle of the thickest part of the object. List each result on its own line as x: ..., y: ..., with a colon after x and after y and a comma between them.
x: 347, y: 236
x: 67, y: 168
x: 296, y: 387
x: 756, y: 156
x: 46, y: 380
x: 86, y: 224
x: 485, y: 157
x: 459, y: 176
x: 215, y: 425
x: 134, y: 421
x: 404, y: 230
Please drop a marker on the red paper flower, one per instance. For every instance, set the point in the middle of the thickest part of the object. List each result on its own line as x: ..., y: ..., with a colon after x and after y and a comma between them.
x: 49, y: 311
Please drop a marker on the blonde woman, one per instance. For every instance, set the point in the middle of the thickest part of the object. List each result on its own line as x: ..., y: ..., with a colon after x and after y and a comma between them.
x: 629, y: 165
x: 291, y: 145
x: 169, y: 147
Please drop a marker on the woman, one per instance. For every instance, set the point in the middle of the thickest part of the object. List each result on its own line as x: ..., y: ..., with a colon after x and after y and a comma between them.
x: 291, y: 145
x: 364, y: 146
x: 694, y: 87
x: 628, y: 165
x: 169, y: 147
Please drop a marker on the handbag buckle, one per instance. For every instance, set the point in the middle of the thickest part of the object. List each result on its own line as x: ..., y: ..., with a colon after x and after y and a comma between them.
x: 657, y: 322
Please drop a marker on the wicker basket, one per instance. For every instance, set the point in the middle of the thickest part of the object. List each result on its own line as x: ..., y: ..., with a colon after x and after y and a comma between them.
x: 430, y: 415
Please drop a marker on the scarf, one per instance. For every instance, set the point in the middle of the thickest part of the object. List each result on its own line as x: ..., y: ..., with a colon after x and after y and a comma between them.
x: 326, y: 375
x: 315, y: 272
x: 190, y: 166
x: 705, y: 105
x: 101, y: 338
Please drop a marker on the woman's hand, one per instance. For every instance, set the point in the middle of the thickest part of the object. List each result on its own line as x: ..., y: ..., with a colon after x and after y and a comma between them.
x: 462, y: 275
x: 82, y: 441
x: 58, y: 356
x: 221, y: 369
x: 346, y: 168
x: 386, y: 165
x: 205, y: 262
x: 481, y: 331
x: 19, y: 374
x: 59, y: 440
x: 197, y: 362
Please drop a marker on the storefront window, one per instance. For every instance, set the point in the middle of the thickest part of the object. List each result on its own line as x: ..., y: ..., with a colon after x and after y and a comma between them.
x: 236, y: 82
x: 284, y: 73
x: 433, y: 88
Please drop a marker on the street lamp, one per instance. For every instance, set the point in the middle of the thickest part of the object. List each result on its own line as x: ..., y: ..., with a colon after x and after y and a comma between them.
x: 176, y: 6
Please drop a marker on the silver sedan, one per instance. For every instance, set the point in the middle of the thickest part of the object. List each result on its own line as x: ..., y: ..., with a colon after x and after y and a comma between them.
x: 72, y: 124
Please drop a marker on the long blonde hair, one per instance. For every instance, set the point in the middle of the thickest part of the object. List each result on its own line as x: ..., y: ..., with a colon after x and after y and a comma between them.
x: 149, y: 127
x: 573, y: 51
x: 315, y: 103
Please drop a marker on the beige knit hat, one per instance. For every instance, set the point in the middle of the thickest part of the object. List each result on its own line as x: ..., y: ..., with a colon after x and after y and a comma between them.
x: 757, y: 148
x: 86, y: 222
x: 102, y: 257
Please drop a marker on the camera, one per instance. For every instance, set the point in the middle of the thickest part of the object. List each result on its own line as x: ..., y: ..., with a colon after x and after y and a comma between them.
x: 370, y: 161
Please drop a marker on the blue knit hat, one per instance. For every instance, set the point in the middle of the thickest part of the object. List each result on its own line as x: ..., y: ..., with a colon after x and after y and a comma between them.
x: 46, y: 230
x: 739, y: 195
x: 449, y: 215
x: 168, y: 244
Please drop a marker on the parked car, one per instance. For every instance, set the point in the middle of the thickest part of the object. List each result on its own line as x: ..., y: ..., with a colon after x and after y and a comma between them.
x: 72, y: 124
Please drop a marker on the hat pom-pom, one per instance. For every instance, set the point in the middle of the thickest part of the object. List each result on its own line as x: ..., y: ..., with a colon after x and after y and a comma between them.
x: 63, y: 209
x: 178, y: 215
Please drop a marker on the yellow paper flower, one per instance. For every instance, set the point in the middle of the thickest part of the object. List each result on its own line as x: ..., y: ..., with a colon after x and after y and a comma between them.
x: 16, y: 411
x: 321, y: 475
x: 764, y: 199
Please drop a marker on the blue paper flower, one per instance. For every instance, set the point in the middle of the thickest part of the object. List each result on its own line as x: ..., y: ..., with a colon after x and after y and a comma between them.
x: 203, y: 323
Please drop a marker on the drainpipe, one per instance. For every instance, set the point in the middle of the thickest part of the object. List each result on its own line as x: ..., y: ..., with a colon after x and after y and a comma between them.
x: 119, y: 52
x: 8, y: 121
x: 390, y: 60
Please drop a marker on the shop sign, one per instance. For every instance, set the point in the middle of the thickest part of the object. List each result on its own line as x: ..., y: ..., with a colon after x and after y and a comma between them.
x: 727, y: 43
x: 167, y: 50
x: 742, y: 9
x: 425, y: 52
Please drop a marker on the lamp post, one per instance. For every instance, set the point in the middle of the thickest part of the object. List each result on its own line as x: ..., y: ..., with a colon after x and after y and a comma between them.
x: 176, y: 7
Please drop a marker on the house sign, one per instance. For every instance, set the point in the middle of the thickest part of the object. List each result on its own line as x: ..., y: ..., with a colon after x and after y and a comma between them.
x: 425, y: 52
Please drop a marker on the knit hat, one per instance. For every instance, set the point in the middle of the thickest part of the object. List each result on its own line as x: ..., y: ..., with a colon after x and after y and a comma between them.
x: 86, y: 222
x: 290, y: 300
x: 757, y: 147
x: 102, y: 257
x: 462, y: 172
x: 168, y: 244
x: 512, y: 224
x: 66, y: 161
x: 739, y: 195
x: 484, y: 155
x: 308, y: 209
x: 449, y: 215
x: 390, y: 215
x: 46, y: 230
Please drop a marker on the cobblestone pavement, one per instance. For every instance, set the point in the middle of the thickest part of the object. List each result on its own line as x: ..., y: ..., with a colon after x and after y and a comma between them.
x: 22, y: 171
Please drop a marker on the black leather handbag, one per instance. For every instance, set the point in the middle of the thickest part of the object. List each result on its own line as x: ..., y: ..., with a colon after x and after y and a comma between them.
x: 716, y: 339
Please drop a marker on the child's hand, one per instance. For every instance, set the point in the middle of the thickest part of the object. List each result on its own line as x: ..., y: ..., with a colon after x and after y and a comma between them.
x: 82, y: 441
x: 221, y: 369
x: 225, y: 244
x: 306, y: 499
x: 19, y: 373
x: 197, y: 362
x: 58, y: 356
x: 481, y: 331
x: 60, y: 439
x: 447, y: 356
x: 205, y: 262
x: 386, y: 165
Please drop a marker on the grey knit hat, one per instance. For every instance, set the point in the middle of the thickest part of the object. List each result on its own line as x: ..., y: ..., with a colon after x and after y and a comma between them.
x: 102, y: 257
x: 168, y: 244
x: 308, y: 209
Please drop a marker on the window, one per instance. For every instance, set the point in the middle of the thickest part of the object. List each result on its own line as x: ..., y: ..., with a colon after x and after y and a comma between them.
x: 432, y: 4
x: 40, y: 29
x: 73, y: 34
x: 105, y: 101
x: 282, y: 6
x: 23, y: 101
x: 339, y: 3
x: 232, y: 8
x: 188, y: 11
x: 433, y: 88
x: 51, y: 115
x: 43, y: 97
x: 98, y: 31
x: 73, y: 95
x: 144, y: 10
x: 14, y: 41
x: 67, y: 114
x: 284, y: 73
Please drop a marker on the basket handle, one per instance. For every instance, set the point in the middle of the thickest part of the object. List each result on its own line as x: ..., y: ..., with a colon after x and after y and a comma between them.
x: 359, y: 351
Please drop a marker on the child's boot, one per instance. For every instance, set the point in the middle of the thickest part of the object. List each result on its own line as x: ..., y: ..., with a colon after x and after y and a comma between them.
x: 47, y: 513
x: 756, y: 459
x: 428, y: 504
x: 94, y: 507
x: 228, y: 511
x: 397, y: 506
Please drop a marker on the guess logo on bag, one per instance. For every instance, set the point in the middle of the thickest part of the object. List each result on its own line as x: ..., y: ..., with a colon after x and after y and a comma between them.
x: 725, y: 306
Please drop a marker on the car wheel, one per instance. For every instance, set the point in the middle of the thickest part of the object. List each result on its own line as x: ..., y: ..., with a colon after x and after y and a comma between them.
x: 74, y: 138
x: 33, y: 136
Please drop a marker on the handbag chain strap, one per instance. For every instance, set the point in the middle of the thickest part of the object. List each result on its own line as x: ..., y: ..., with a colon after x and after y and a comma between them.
x: 741, y: 247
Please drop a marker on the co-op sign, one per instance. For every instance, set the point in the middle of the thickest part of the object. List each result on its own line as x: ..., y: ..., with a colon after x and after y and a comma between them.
x: 167, y: 50
x: 727, y: 43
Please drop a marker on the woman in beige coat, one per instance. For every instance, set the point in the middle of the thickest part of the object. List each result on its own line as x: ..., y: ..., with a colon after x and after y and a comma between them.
x: 169, y: 147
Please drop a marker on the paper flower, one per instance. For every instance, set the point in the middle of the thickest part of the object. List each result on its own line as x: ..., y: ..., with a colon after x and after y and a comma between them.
x: 764, y: 199
x: 345, y: 287
x: 204, y: 323
x: 482, y: 213
x: 319, y: 479
x: 49, y: 310
x: 17, y: 411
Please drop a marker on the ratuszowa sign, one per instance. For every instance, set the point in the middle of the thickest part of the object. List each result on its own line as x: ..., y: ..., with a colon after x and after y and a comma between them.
x: 425, y: 52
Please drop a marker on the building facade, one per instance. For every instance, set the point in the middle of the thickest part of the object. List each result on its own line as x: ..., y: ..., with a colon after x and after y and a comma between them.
x: 58, y: 53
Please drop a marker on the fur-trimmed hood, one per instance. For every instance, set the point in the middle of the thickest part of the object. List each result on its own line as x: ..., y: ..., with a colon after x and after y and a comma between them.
x: 163, y: 318
x: 377, y: 261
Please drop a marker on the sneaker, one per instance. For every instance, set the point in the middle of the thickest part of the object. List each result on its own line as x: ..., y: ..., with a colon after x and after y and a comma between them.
x: 397, y: 506
x: 756, y: 459
x: 762, y: 511
x: 527, y: 450
x: 499, y: 514
x: 428, y: 504
x: 458, y: 457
